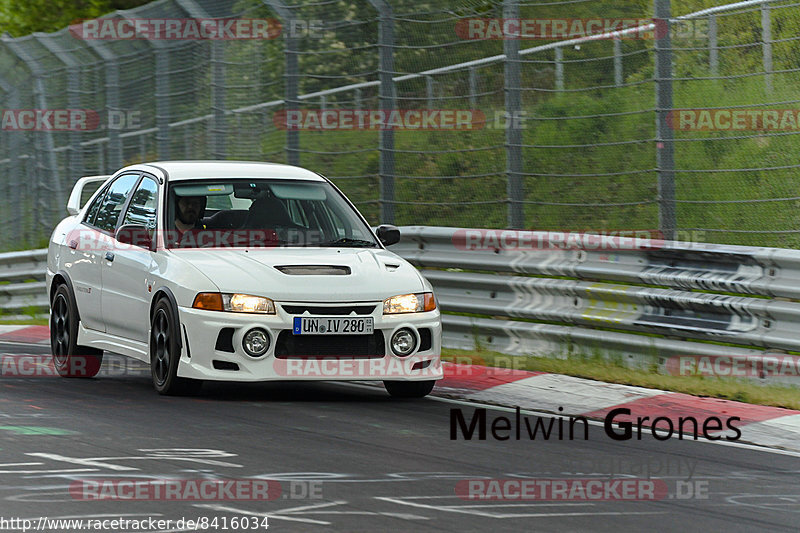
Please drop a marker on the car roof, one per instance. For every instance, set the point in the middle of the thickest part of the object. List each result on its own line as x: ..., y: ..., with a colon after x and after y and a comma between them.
x: 186, y: 170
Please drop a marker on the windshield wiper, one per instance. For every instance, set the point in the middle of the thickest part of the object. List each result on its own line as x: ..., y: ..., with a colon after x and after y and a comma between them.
x: 347, y: 242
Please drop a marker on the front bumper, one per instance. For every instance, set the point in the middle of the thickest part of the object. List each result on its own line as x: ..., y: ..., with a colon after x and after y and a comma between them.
x: 201, y: 358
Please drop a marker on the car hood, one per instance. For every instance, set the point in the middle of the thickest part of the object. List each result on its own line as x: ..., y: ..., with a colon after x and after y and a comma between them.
x: 374, y: 274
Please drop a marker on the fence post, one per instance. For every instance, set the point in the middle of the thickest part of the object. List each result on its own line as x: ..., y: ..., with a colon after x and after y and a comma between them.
x: 161, y: 93
x: 618, y: 74
x: 387, y: 103
x: 47, y: 155
x: 665, y: 149
x: 473, y: 87
x: 292, y: 75
x: 429, y: 91
x: 75, y: 159
x: 162, y: 102
x: 513, y: 104
x: 14, y: 169
x: 559, y: 68
x: 713, y: 47
x: 219, y: 125
x: 766, y: 37
x: 111, y: 69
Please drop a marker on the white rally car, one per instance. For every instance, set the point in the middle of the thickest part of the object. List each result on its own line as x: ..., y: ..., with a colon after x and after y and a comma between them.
x: 236, y: 271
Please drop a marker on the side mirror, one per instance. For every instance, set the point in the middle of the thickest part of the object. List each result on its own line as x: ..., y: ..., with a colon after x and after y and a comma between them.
x: 134, y: 235
x: 388, y: 234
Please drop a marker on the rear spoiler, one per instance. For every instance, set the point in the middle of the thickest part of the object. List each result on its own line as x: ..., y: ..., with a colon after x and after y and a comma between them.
x: 77, y: 198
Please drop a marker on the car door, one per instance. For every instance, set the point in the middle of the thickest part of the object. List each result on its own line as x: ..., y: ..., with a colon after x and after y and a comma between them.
x: 87, y: 246
x: 127, y: 284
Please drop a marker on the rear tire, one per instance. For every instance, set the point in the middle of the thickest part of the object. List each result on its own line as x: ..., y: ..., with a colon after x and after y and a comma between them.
x: 69, y: 359
x: 165, y: 354
x: 409, y: 389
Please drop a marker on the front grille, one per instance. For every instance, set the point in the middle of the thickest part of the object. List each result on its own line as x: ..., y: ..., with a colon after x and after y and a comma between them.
x: 291, y: 346
x: 324, y: 310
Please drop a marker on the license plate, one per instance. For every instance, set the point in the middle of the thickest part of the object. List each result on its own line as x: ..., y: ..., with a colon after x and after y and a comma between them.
x: 322, y: 325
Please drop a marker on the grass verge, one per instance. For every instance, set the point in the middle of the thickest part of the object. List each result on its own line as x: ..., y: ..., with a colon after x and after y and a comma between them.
x: 614, y: 372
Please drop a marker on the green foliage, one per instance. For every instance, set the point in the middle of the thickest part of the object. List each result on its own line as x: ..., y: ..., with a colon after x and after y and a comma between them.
x: 21, y: 17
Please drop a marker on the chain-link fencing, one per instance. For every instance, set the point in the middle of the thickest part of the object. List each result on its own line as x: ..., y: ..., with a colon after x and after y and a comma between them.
x: 586, y: 115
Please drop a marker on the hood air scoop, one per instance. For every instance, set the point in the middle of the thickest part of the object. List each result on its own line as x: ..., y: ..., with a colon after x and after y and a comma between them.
x: 314, y: 270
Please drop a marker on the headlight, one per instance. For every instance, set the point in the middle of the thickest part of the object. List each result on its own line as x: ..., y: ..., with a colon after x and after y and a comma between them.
x: 238, y: 303
x: 409, y: 303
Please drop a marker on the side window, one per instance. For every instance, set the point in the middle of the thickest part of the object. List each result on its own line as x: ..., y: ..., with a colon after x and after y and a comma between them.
x: 91, y: 213
x: 144, y: 202
x: 111, y: 206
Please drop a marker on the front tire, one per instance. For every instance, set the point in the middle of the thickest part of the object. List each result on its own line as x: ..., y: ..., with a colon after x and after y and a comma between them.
x: 409, y: 389
x: 165, y: 354
x: 69, y: 359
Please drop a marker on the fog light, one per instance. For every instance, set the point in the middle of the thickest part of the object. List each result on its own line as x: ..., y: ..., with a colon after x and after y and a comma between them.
x: 256, y: 342
x: 403, y: 342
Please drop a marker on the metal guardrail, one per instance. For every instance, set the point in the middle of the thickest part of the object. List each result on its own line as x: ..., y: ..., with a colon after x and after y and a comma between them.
x: 642, y: 304
x: 22, y: 284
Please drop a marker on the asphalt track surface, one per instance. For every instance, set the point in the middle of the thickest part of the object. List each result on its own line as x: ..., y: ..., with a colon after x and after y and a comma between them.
x: 372, y: 463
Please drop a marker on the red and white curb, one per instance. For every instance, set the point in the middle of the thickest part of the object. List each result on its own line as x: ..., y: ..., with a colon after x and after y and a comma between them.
x: 538, y: 391
x: 26, y: 334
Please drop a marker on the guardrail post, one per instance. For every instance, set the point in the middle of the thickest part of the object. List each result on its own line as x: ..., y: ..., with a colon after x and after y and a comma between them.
x: 713, y: 47
x: 387, y: 103
x: 111, y: 68
x: 47, y: 154
x: 766, y: 37
x: 665, y: 149
x: 513, y: 104
x: 75, y: 160
x: 291, y: 74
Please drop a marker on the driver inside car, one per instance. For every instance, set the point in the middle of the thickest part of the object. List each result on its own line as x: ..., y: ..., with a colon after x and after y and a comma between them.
x: 189, y: 214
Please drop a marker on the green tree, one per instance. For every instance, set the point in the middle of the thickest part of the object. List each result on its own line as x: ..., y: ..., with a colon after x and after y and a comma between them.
x: 21, y: 17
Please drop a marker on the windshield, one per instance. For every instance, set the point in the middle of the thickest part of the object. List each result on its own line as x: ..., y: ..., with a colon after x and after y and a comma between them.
x: 261, y: 212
